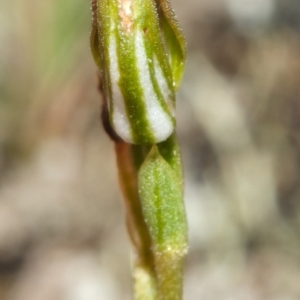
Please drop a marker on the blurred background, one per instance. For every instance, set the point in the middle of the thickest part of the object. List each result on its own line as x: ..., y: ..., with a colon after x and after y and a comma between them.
x: 62, y: 233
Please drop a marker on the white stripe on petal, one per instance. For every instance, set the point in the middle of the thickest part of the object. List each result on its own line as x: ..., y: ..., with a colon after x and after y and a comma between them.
x: 120, y: 121
x: 159, y: 120
x: 164, y: 88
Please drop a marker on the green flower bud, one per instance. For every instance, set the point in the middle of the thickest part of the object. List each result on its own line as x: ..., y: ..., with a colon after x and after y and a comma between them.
x: 140, y: 52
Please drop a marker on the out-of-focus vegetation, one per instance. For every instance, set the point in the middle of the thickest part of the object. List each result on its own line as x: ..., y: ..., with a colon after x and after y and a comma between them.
x: 62, y: 230
x: 43, y: 45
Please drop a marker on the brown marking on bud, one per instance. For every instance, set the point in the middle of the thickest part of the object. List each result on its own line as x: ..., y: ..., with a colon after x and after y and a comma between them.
x: 105, y: 116
x: 125, y: 14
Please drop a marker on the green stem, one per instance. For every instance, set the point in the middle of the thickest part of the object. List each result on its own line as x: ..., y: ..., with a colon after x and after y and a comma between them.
x: 143, y: 274
x: 160, y: 189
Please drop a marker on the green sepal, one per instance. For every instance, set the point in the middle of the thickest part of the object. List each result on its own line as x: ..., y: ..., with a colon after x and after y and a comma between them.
x: 170, y: 151
x: 162, y: 203
x: 175, y: 41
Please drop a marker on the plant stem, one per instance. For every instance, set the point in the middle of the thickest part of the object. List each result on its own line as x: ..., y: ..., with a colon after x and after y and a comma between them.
x: 144, y: 273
